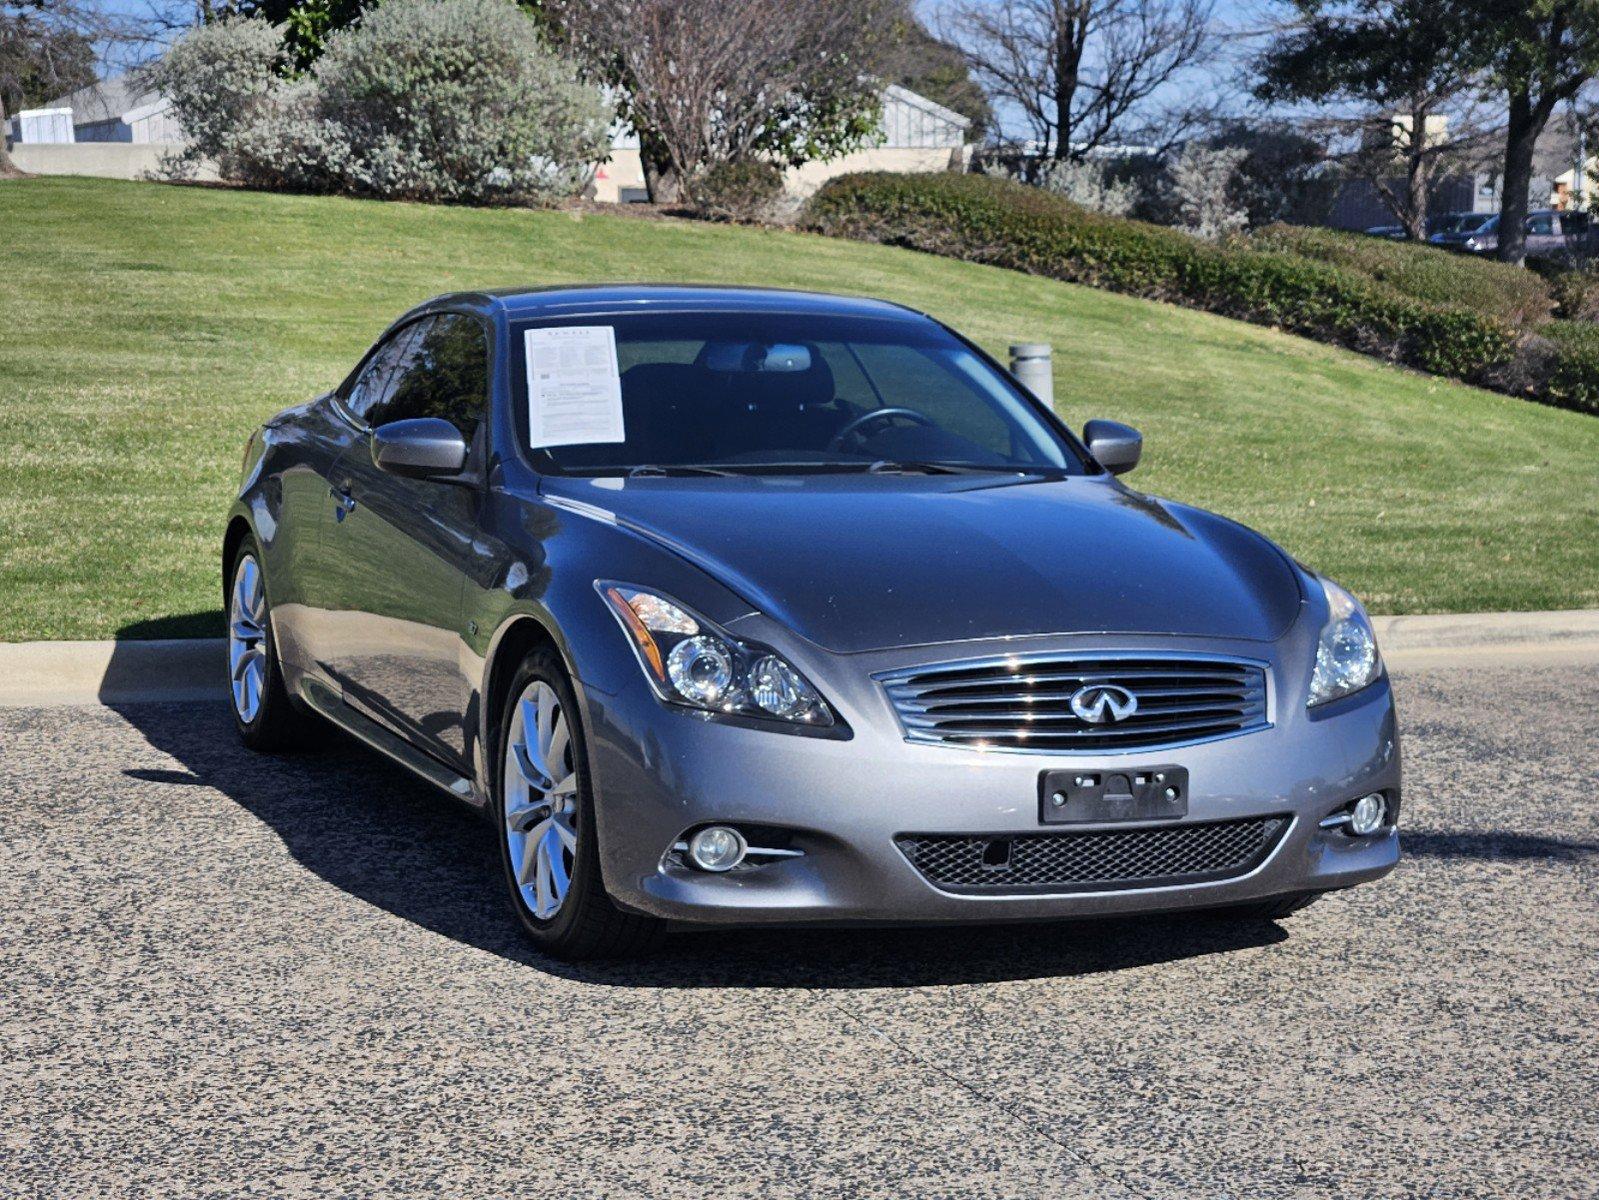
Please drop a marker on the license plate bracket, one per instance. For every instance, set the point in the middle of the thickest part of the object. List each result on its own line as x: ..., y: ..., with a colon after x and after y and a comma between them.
x: 1074, y: 797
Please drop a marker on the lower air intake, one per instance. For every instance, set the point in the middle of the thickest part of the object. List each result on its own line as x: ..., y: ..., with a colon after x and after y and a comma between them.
x: 1073, y: 862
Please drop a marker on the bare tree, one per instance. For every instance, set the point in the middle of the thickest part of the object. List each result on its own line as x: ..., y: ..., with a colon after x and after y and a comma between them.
x: 712, y: 81
x: 1083, y: 73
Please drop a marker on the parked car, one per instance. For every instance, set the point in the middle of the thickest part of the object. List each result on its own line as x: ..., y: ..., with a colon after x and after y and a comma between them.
x: 731, y: 607
x: 1439, y: 223
x: 1550, y: 234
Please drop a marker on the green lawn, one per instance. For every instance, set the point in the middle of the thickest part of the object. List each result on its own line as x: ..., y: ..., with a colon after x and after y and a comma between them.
x: 144, y: 329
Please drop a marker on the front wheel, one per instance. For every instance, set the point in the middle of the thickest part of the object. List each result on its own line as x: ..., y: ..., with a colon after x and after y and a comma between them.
x: 545, y: 808
x: 265, y: 716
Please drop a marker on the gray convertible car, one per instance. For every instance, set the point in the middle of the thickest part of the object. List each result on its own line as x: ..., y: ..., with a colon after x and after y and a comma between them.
x: 734, y: 606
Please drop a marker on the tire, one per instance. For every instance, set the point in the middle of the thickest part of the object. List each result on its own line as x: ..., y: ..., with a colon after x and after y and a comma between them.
x: 547, y: 834
x: 263, y: 713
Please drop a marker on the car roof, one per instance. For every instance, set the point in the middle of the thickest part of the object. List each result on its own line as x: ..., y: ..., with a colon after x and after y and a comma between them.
x: 533, y: 303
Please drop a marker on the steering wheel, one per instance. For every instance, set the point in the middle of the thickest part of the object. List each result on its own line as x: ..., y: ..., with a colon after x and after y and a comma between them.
x: 853, y: 427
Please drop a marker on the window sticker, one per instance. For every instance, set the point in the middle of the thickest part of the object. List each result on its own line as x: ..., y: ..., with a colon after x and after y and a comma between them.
x: 574, y: 388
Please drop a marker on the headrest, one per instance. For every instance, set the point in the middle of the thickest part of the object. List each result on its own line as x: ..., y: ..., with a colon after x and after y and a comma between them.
x: 773, y: 389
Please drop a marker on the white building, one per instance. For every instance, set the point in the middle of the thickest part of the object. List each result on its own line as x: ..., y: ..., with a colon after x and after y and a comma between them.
x: 915, y: 135
x: 112, y: 129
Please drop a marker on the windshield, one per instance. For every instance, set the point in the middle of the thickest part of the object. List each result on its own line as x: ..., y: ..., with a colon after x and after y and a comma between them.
x: 774, y: 392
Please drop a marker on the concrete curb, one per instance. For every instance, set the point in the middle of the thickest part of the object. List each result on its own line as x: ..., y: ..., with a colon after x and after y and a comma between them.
x: 45, y: 673
x: 41, y: 673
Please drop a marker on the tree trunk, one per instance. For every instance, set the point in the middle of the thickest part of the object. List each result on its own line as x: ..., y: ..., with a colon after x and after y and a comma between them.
x: 660, y: 181
x: 1526, y: 122
x: 1068, y: 70
x: 1415, y: 214
x: 8, y: 169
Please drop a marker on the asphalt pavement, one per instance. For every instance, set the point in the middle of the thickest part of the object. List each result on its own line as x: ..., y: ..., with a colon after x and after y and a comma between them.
x: 228, y: 975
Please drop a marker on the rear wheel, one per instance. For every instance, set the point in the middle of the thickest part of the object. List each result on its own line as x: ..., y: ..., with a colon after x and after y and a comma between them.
x: 265, y: 716
x: 548, y: 843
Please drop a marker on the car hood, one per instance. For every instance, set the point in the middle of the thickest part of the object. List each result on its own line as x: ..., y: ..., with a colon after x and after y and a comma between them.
x: 857, y: 563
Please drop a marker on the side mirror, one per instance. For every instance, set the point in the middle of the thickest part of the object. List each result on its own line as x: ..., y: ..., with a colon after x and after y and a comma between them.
x: 1115, y: 446
x: 420, y: 448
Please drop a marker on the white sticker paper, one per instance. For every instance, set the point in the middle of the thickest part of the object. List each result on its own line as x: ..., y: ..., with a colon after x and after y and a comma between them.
x: 574, y: 390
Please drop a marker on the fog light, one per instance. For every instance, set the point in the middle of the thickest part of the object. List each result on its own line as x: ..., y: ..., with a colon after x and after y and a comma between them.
x: 1368, y: 814
x: 717, y: 848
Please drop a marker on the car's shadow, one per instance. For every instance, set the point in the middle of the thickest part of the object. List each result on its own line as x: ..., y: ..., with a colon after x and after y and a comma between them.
x: 368, y: 828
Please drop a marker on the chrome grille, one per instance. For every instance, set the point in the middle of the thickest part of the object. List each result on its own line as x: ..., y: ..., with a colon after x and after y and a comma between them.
x: 1025, y: 703
x: 1153, y: 857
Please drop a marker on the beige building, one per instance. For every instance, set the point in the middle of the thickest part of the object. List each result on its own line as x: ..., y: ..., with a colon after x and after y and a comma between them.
x: 914, y: 135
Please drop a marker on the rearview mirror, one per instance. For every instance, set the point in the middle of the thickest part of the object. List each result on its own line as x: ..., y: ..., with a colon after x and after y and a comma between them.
x: 420, y: 448
x: 1115, y: 446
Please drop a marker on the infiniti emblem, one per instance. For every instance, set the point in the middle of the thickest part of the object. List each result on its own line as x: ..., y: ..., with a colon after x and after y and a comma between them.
x: 1100, y: 703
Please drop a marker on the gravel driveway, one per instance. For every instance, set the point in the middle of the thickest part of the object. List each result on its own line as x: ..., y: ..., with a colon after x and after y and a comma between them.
x: 223, y: 975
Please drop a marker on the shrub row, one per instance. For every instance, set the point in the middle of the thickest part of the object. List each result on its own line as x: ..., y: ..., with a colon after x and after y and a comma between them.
x: 1001, y: 223
x: 1572, y: 380
x: 1518, y: 297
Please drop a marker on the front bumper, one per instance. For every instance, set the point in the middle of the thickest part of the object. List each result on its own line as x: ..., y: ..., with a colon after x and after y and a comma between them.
x: 660, y: 772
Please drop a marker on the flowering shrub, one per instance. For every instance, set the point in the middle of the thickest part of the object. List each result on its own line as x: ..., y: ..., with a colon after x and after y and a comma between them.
x: 440, y: 100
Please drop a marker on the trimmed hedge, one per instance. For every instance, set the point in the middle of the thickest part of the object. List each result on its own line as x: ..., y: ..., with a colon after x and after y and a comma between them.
x: 988, y: 220
x: 1573, y: 378
x: 1518, y: 297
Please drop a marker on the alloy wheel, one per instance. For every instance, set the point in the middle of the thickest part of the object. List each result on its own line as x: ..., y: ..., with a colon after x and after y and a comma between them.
x: 247, y: 616
x: 539, y: 786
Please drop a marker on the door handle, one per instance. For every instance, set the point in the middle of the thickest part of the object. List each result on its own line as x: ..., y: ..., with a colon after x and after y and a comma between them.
x: 343, y: 502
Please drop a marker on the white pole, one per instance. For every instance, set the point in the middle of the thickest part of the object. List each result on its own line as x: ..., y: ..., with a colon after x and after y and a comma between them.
x: 1033, y: 366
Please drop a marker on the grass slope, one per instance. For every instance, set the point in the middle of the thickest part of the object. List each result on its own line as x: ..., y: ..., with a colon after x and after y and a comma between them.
x: 147, y: 328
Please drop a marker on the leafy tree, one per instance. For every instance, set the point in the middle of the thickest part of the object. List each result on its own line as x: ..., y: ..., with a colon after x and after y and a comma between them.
x: 1409, y: 64
x: 1539, y: 53
x: 1283, y: 175
x: 306, y: 24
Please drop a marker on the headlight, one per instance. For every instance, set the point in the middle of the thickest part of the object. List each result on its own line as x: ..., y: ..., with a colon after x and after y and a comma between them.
x: 689, y: 661
x: 1346, y: 656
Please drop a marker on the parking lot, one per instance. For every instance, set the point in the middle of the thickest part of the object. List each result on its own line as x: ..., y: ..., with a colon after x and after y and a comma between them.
x: 224, y: 975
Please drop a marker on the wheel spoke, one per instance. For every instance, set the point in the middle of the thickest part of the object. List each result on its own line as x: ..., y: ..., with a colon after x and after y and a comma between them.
x: 563, y: 788
x: 529, y: 760
x: 520, y: 820
x: 252, y: 687
x: 565, y: 832
x: 559, y: 880
x: 524, y: 870
x: 247, y: 658
x: 542, y: 898
x: 560, y: 741
x: 535, y: 778
x: 546, y: 733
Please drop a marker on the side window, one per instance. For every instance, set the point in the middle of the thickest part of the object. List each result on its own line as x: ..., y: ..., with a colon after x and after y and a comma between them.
x: 1543, y: 223
x: 443, y: 372
x: 377, y: 378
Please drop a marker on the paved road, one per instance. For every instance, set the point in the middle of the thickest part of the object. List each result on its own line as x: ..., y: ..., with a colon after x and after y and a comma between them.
x: 229, y: 976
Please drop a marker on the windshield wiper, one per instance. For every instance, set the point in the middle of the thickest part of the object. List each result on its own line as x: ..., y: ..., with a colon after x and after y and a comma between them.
x: 892, y: 467
x: 646, y: 469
